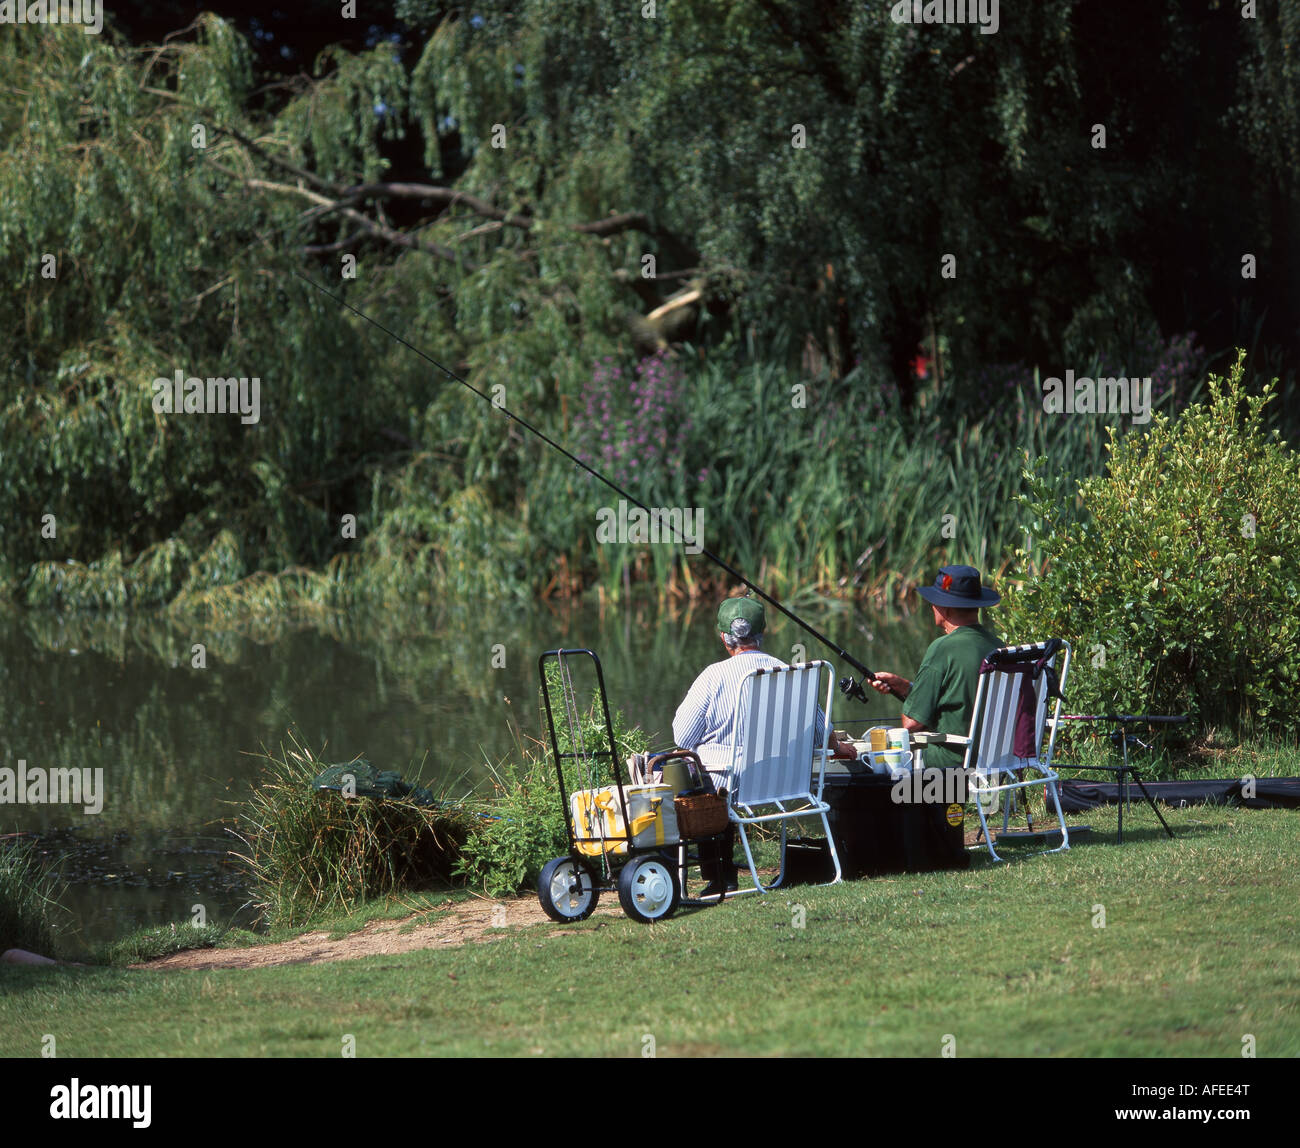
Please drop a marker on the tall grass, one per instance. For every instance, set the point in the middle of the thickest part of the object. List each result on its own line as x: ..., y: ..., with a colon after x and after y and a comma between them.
x: 804, y: 485
x: 309, y: 852
x: 28, y: 899
x: 834, y: 488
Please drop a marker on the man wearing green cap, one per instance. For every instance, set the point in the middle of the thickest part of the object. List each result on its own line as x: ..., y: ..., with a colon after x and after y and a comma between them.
x: 705, y: 721
x: 941, y: 698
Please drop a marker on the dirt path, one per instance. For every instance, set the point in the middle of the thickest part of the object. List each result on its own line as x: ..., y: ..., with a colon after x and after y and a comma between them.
x: 459, y: 924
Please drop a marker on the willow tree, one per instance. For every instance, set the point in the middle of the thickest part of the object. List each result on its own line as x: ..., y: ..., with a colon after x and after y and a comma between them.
x: 143, y: 232
x: 842, y: 177
x: 591, y: 176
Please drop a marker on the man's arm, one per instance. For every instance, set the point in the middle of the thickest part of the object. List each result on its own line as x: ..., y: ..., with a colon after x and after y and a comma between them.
x: 835, y: 747
x: 689, y: 721
x: 901, y: 688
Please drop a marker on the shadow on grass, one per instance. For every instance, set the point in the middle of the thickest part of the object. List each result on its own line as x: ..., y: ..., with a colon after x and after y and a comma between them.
x: 1134, y: 834
x: 57, y: 981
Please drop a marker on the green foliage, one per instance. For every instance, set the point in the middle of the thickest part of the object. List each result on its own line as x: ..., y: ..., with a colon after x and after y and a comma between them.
x: 150, y: 944
x: 308, y: 852
x: 28, y: 900
x: 507, y: 853
x: 624, y: 136
x: 914, y: 144
x: 591, y: 734
x: 158, y: 262
x: 1177, y: 577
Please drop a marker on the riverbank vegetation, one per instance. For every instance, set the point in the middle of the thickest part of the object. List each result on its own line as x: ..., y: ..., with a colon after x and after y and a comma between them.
x: 30, y: 918
x: 834, y: 354
x: 309, y: 852
x: 1194, y: 954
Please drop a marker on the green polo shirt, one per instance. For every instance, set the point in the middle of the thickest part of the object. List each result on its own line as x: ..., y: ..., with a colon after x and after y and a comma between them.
x: 942, y: 697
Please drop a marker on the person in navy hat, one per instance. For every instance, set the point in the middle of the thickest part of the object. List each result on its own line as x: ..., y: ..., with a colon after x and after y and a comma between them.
x: 941, y: 698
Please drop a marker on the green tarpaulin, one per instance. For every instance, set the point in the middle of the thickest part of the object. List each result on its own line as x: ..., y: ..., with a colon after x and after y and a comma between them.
x: 361, y: 779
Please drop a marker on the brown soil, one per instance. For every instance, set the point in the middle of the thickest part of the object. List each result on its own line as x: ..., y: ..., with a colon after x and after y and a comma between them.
x: 459, y: 924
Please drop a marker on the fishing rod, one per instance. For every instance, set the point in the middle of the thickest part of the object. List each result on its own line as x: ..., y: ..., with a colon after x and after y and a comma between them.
x: 848, y: 685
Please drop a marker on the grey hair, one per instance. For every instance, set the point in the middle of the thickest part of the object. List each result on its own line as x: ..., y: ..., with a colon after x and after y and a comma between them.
x: 752, y: 642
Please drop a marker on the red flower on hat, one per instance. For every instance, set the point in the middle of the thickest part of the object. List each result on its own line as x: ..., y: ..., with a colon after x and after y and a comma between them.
x: 945, y: 582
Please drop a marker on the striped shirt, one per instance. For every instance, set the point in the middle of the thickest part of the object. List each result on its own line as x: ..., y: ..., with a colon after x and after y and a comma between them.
x: 705, y: 721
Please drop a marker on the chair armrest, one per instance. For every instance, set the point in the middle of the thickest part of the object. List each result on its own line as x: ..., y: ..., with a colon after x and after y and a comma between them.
x: 925, y: 737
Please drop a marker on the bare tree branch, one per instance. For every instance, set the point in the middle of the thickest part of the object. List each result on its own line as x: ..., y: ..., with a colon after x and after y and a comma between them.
x: 282, y: 164
x: 389, y: 234
x: 628, y: 221
x: 448, y: 195
x: 333, y: 248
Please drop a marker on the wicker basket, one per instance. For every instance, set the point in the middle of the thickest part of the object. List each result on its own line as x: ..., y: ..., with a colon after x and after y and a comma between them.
x: 704, y: 815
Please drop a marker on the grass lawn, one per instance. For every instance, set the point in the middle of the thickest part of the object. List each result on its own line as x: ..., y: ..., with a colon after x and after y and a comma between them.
x: 1200, y: 947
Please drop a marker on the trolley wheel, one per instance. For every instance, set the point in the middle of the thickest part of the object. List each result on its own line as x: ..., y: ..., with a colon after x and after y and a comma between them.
x: 566, y: 890
x: 647, y: 888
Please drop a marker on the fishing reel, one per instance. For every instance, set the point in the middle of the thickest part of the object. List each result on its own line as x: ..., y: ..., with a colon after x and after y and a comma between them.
x: 852, y: 688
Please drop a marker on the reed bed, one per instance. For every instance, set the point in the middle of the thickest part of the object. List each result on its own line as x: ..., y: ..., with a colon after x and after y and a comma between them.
x: 834, y: 488
x: 310, y: 852
x: 28, y: 898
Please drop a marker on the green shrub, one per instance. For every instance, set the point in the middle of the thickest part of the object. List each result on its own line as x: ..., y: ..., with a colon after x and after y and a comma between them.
x: 505, y: 855
x: 309, y: 852
x: 27, y: 900
x: 1176, y: 579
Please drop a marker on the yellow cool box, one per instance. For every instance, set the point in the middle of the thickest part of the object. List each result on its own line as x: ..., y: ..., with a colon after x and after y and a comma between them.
x: 598, y: 814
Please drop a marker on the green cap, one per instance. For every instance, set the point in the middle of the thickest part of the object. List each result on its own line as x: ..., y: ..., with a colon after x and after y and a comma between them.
x: 742, y: 617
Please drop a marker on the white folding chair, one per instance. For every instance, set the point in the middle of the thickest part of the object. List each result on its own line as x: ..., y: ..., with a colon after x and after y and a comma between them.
x: 775, y: 763
x: 992, y: 764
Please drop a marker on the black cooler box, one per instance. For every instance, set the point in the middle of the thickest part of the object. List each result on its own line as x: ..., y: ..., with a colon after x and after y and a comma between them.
x: 876, y: 834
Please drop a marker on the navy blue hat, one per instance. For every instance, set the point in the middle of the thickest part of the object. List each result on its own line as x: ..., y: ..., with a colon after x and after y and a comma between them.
x: 959, y: 586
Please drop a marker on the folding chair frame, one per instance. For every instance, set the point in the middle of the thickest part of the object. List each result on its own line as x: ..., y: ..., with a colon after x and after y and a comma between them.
x: 983, y: 777
x: 758, y: 728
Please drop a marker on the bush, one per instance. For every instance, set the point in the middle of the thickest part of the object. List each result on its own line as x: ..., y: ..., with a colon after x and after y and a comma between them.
x: 308, y: 852
x: 27, y: 900
x: 1177, y: 582
x: 505, y: 855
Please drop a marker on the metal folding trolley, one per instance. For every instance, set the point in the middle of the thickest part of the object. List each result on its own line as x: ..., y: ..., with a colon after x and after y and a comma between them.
x: 621, y: 836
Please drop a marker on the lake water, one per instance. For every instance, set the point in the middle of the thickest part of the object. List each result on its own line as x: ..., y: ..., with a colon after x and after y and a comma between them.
x: 423, y: 693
